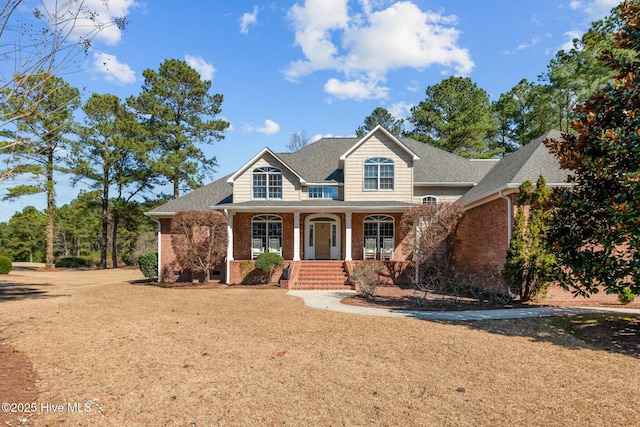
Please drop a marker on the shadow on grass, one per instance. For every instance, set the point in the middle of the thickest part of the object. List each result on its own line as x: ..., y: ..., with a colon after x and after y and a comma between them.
x: 616, y: 333
x: 22, y: 291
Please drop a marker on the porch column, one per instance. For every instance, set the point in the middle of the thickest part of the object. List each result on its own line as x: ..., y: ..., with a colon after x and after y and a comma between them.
x: 296, y: 236
x: 229, y: 243
x: 347, y: 236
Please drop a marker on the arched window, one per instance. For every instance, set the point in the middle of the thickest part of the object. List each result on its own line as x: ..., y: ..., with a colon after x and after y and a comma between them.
x: 378, y: 174
x: 378, y: 227
x: 429, y: 199
x: 266, y: 234
x: 267, y: 183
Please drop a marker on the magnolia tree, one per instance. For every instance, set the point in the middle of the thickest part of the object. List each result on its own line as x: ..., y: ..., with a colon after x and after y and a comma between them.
x: 199, y: 240
x: 595, y: 232
x: 434, y: 226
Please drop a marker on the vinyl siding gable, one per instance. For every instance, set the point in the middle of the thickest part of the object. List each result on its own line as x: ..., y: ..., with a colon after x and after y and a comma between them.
x: 378, y: 145
x: 243, y: 184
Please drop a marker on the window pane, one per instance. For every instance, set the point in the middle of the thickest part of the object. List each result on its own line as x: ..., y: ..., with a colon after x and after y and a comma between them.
x: 315, y: 192
x: 371, y: 171
x: 370, y: 230
x: 333, y: 234
x: 386, y: 171
x: 330, y: 192
x: 259, y: 231
x: 386, y: 183
x: 370, y: 183
x: 259, y: 192
x: 275, y: 186
x: 275, y: 229
x: 259, y: 185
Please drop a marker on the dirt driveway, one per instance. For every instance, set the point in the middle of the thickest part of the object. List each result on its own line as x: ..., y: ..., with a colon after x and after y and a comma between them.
x: 108, y: 352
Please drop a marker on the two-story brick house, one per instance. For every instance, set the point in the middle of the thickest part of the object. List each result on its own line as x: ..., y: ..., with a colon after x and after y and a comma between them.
x: 342, y: 199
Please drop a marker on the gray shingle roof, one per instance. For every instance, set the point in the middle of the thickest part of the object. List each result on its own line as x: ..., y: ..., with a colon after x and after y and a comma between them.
x: 203, y: 198
x: 319, y: 162
x: 436, y: 165
x: 526, y: 164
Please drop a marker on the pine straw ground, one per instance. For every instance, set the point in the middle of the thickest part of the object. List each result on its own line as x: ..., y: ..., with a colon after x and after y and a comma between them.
x: 139, y: 355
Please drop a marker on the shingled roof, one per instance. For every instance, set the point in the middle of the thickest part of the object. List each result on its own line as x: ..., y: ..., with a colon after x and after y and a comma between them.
x: 526, y: 164
x: 319, y: 162
x: 218, y: 192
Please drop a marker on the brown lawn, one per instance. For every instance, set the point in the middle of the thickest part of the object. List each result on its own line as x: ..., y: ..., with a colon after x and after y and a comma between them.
x: 139, y: 355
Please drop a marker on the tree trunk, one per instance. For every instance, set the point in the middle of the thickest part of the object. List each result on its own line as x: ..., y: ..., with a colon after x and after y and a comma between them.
x: 176, y: 188
x: 114, y: 241
x: 51, y: 210
x: 104, y: 235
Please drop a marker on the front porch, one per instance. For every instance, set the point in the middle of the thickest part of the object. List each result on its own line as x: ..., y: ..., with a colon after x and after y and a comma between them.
x: 325, y: 235
x: 319, y: 275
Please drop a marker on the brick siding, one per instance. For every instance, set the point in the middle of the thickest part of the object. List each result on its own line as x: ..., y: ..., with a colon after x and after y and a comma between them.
x: 481, y: 241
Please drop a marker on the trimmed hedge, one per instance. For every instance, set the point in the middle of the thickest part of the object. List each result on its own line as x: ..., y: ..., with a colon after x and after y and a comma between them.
x: 5, y: 265
x: 267, y: 262
x: 148, y: 264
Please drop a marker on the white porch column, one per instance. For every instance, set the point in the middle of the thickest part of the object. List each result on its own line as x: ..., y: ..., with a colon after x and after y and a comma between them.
x: 229, y: 243
x: 296, y: 236
x: 347, y: 236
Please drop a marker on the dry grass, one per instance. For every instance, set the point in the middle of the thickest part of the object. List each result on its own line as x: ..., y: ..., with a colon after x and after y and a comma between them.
x: 144, y: 355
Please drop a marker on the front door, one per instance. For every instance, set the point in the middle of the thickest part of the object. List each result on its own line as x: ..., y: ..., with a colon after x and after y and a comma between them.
x: 323, y: 240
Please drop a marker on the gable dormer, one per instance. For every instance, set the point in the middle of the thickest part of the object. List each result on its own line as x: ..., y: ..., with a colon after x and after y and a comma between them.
x: 378, y: 167
x: 266, y: 177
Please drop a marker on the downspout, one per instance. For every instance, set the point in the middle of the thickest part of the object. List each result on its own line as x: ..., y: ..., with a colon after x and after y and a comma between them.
x: 509, y: 229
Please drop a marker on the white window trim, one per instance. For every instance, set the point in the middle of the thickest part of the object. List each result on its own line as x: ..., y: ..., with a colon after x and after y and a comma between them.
x: 378, y: 163
x: 269, y: 170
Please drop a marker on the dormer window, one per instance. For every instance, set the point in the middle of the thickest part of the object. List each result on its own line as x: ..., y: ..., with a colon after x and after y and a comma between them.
x: 378, y: 174
x: 267, y: 183
x: 429, y: 199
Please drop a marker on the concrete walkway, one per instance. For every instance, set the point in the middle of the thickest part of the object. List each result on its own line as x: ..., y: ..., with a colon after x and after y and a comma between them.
x: 330, y: 300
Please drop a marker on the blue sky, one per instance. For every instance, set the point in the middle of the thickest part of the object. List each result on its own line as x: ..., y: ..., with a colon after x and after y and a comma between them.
x: 321, y: 66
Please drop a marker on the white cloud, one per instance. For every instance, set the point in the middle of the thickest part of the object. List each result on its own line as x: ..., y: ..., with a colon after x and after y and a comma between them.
x: 248, y: 19
x: 523, y: 46
x: 400, y: 110
x: 204, y: 68
x: 365, y: 46
x: 270, y: 127
x: 356, y: 89
x: 593, y: 10
x: 112, y: 69
x: 98, y: 26
x: 569, y: 36
x: 598, y: 9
